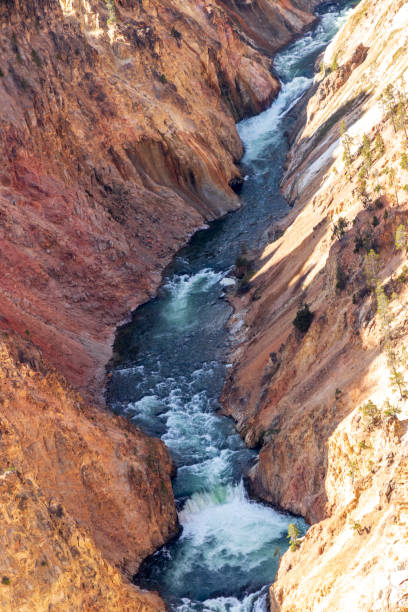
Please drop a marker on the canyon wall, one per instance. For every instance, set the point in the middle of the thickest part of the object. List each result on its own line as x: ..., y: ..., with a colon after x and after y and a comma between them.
x: 327, y: 400
x: 82, y: 492
x: 117, y: 141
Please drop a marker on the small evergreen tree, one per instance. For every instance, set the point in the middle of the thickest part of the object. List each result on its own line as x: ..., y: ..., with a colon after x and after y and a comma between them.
x: 293, y: 536
x: 379, y: 145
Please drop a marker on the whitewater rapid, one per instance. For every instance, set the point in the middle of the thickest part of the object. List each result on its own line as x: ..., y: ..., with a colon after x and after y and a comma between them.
x: 174, y: 363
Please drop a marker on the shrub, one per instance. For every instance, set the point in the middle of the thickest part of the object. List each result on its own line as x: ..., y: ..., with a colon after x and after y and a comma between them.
x: 334, y: 65
x: 176, y: 34
x: 339, y: 228
x: 390, y: 410
x: 375, y: 221
x: 371, y: 413
x: 163, y: 78
x: 303, y: 319
x: 379, y: 145
x: 5, y: 580
x: 293, y: 536
x: 110, y: 5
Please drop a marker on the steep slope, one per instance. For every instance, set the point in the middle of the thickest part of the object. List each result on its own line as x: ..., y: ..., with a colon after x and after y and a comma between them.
x: 328, y: 404
x: 117, y: 142
x: 76, y: 485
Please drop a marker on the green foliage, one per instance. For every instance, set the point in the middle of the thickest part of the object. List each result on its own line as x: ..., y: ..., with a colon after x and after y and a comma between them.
x: 110, y: 5
x: 337, y: 394
x: 293, y: 536
x: 339, y: 228
x: 379, y: 145
x: 404, y: 161
x: 323, y: 69
x: 371, y: 268
x: 364, y: 242
x: 353, y: 468
x: 1, y: 73
x: 5, y: 580
x: 366, y: 150
x: 334, y: 65
x: 371, y: 414
x: 245, y: 283
x: 397, y: 382
x: 391, y: 411
x: 163, y: 78
x: 303, y: 319
x: 383, y: 307
x: 375, y: 221
x: 15, y: 48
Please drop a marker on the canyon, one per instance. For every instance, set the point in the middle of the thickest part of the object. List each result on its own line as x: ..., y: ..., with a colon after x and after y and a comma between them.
x: 118, y: 142
x: 326, y: 400
x: 110, y: 161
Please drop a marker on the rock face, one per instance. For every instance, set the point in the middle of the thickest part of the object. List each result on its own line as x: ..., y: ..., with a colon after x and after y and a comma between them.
x: 328, y: 406
x: 117, y: 142
x: 81, y: 491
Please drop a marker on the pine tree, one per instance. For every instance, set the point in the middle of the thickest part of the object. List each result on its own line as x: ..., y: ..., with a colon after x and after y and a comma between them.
x: 379, y: 144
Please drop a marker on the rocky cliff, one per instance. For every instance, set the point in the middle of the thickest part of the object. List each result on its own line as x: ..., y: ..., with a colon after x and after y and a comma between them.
x: 326, y: 399
x: 81, y: 492
x: 118, y: 140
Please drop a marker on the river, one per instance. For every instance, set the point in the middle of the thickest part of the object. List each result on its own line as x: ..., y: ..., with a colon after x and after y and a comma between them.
x: 173, y: 362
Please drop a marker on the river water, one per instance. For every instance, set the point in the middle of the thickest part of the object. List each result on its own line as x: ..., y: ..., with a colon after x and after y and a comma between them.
x: 173, y: 361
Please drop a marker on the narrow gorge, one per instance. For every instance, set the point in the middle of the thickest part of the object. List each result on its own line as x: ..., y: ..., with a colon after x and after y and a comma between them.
x: 256, y: 400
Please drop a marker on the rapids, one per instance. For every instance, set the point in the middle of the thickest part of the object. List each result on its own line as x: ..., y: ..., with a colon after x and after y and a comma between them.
x: 173, y: 362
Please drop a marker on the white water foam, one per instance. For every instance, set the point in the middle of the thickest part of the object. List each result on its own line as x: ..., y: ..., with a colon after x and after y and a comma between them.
x: 232, y: 524
x: 258, y: 133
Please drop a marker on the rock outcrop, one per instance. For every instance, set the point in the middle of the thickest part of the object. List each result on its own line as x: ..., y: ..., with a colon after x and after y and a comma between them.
x: 327, y: 403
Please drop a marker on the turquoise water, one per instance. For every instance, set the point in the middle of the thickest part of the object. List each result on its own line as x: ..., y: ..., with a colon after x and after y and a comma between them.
x: 173, y: 365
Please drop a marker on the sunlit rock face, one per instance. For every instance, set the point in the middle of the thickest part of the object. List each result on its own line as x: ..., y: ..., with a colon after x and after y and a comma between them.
x: 85, y: 497
x: 329, y: 406
x: 118, y: 140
